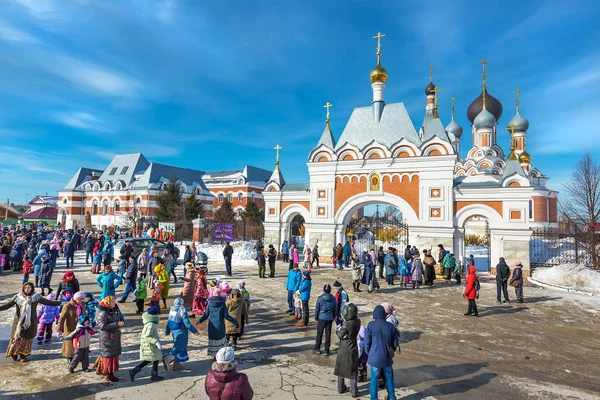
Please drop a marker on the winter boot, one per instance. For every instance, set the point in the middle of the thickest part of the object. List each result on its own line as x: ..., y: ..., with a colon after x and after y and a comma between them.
x: 154, y: 377
x: 177, y: 366
x: 133, y: 373
x: 168, y: 359
x: 354, y: 286
x: 358, y: 287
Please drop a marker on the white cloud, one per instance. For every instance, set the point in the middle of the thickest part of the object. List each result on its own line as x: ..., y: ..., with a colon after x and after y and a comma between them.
x: 82, y: 120
x: 40, y: 9
x: 22, y: 159
x: 15, y: 35
x: 95, y: 78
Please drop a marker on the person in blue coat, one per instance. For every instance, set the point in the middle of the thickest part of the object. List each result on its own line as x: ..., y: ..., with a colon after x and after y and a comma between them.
x: 369, y: 270
x: 216, y: 313
x: 325, y: 314
x: 347, y: 253
x: 305, y: 288
x: 70, y: 252
x: 37, y: 266
x: 391, y: 267
x: 109, y: 281
x: 379, y: 337
x: 285, y: 250
x: 292, y: 284
x: 178, y: 325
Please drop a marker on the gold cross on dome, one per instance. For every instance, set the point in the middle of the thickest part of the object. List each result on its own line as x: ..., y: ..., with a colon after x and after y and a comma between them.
x: 327, y: 106
x: 378, y: 37
x: 484, y: 63
x: 277, y: 148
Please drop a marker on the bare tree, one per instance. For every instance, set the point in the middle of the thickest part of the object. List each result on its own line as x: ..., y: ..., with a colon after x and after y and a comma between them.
x: 582, y: 205
x: 131, y: 220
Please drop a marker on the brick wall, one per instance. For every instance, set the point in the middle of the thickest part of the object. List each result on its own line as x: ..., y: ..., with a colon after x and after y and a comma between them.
x: 540, y: 209
x: 496, y: 205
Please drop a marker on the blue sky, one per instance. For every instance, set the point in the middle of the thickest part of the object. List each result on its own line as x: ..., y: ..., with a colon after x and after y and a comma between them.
x: 215, y: 85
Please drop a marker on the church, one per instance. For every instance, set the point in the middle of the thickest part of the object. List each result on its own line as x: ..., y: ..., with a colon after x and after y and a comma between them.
x: 380, y: 158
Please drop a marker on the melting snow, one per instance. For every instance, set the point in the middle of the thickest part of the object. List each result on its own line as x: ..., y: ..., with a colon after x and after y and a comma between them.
x: 574, y: 276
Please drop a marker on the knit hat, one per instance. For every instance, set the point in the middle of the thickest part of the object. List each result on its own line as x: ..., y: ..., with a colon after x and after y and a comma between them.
x: 79, y: 296
x: 154, y: 310
x: 306, y: 272
x: 69, y: 276
x: 327, y: 288
x: 388, y: 307
x: 139, y: 279
x: 225, y: 355
x: 337, y: 285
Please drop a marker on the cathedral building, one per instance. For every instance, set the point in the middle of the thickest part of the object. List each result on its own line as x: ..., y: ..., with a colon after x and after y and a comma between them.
x: 380, y: 158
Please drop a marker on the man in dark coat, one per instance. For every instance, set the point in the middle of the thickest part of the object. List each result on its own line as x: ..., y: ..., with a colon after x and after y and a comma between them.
x: 130, y: 278
x: 70, y: 253
x: 502, y: 275
x: 379, y: 337
x: 325, y: 314
x: 89, y: 244
x: 346, y: 363
x: 227, y: 255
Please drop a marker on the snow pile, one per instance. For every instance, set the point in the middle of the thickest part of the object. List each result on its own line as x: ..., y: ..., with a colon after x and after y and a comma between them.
x: 242, y: 251
x: 572, y: 276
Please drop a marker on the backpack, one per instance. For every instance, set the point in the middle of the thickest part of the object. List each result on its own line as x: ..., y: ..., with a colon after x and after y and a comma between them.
x: 477, y: 285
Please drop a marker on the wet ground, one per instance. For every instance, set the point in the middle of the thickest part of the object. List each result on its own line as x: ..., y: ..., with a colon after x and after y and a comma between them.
x: 546, y: 348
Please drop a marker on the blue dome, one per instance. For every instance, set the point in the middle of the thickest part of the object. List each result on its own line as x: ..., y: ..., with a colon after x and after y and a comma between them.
x: 518, y: 122
x: 454, y: 129
x: 484, y: 119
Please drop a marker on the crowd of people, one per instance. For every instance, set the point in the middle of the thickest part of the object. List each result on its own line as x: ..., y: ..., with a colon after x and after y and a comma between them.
x: 77, y: 316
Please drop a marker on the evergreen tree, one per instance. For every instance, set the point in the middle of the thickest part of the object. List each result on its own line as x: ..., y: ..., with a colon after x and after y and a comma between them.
x: 252, y: 213
x: 193, y: 208
x: 225, y: 213
x: 169, y: 201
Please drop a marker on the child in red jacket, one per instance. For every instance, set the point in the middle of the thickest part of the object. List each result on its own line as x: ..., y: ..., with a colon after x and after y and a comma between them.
x: 27, y: 269
x: 471, y: 292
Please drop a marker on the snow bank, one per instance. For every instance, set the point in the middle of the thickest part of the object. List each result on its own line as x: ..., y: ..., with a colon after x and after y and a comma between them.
x: 572, y: 276
x: 242, y: 251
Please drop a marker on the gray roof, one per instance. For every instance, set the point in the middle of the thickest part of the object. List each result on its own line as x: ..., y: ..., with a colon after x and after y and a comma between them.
x: 296, y: 187
x: 82, y: 175
x: 513, y: 167
x: 432, y: 127
x: 157, y: 173
x: 327, y: 138
x: 477, y: 181
x: 223, y: 173
x: 394, y: 125
x: 255, y: 174
x: 123, y: 167
x: 277, y: 177
x: 251, y: 173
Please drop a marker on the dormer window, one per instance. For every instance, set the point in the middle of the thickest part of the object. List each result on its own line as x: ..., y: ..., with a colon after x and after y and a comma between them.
x: 113, y: 171
x: 124, y: 170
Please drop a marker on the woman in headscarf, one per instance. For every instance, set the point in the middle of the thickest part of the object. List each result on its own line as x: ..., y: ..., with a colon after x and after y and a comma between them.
x: 25, y: 323
x: 143, y: 262
x: 429, y: 263
x: 346, y: 363
x: 201, y: 294
x: 189, y: 287
x: 163, y: 277
x: 237, y: 308
x: 216, y: 313
x: 178, y: 324
x: 110, y: 322
x: 67, y: 322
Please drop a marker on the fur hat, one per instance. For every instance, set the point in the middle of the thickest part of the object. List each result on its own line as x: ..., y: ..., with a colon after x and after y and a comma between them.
x: 225, y: 355
x: 327, y: 288
x: 337, y: 285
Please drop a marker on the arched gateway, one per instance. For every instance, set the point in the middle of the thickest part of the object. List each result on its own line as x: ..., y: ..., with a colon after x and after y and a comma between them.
x: 380, y: 158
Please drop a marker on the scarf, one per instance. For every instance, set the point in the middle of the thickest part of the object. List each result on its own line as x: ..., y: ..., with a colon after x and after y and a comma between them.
x: 177, y: 311
x: 24, y: 302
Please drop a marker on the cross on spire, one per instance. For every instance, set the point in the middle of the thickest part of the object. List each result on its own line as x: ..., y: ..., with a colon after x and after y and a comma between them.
x: 484, y: 62
x: 378, y: 37
x: 483, y: 93
x: 453, y: 100
x: 277, y: 148
x: 435, y: 91
x: 430, y: 73
x: 327, y: 105
x: 512, y: 156
x: 517, y: 91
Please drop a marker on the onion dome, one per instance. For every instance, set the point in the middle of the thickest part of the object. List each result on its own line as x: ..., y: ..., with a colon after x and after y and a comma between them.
x: 491, y: 103
x: 429, y: 90
x: 379, y: 74
x: 525, y: 158
x: 518, y: 122
x: 484, y: 119
x: 455, y: 129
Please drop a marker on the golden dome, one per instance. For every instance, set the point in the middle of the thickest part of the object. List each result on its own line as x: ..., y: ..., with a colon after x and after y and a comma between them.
x: 525, y: 158
x: 379, y: 74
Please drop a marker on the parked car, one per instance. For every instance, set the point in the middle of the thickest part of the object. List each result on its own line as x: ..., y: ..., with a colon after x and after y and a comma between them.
x: 139, y: 244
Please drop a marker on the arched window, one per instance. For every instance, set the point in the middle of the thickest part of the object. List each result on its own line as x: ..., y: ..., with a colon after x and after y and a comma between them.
x: 198, y: 191
x: 138, y: 200
x: 95, y: 208
x: 105, y: 207
x: 117, y: 206
x: 229, y: 197
x: 221, y: 198
x: 65, y: 200
x: 240, y: 197
x: 530, y: 209
x: 252, y: 196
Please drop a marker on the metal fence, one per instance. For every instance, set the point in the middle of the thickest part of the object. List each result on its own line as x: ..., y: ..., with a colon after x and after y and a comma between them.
x: 550, y: 246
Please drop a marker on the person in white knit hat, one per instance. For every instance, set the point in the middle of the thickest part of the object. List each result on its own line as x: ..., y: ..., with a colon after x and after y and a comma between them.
x: 223, y: 382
